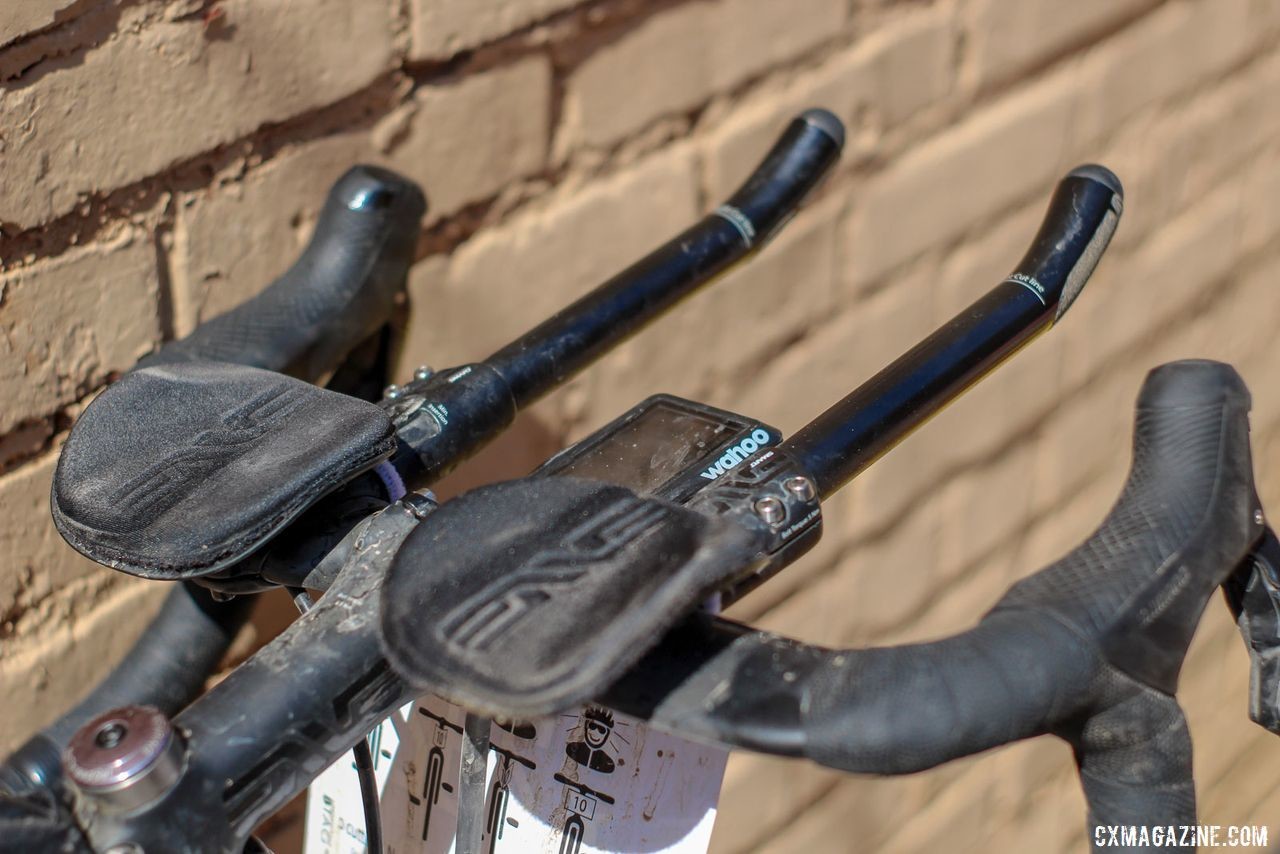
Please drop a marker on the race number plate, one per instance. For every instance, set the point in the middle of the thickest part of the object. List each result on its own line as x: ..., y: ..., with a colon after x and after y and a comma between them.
x: 592, y: 781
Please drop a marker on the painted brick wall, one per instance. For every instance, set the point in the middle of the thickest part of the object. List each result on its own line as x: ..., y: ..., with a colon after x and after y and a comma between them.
x: 161, y: 161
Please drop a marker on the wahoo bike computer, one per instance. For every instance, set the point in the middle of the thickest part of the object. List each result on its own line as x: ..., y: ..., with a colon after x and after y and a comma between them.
x: 664, y: 446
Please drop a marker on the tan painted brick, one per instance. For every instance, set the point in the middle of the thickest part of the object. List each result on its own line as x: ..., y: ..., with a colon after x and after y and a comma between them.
x: 736, y: 145
x: 1004, y: 38
x: 49, y: 675
x: 1266, y: 458
x: 1171, y: 157
x: 1260, y: 214
x: 442, y: 28
x: 898, y: 70
x: 233, y: 239
x: 1177, y: 46
x: 67, y: 322
x: 31, y: 15
x: 985, y: 509
x: 1092, y: 434
x: 1237, y: 329
x: 658, y: 68
x: 911, y: 64
x: 236, y: 238
x: 272, y: 61
x: 37, y: 563
x: 859, y: 814
x: 863, y: 340
x: 892, y: 813
x: 1251, y: 798
x: 1140, y: 293
x: 842, y: 353
x: 506, y: 279
x: 466, y: 140
x: 471, y: 136
x: 1005, y: 403
x: 676, y: 59
x: 995, y: 159
x: 1089, y: 436
x: 1232, y: 126
x: 745, y: 37
x: 983, y: 260
x: 1068, y: 521
x: 958, y: 604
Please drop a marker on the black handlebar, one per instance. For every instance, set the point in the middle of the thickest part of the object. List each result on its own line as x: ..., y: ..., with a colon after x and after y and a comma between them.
x: 1089, y: 649
x: 562, y: 345
x: 481, y: 400
x: 166, y: 668
x: 284, y: 740
x: 261, y: 735
x: 341, y: 288
x: 852, y: 434
x: 338, y: 292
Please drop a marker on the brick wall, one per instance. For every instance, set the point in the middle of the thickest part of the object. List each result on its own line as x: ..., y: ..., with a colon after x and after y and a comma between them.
x: 161, y: 161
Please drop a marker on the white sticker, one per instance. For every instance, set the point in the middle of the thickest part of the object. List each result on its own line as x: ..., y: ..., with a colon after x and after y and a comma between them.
x: 592, y: 781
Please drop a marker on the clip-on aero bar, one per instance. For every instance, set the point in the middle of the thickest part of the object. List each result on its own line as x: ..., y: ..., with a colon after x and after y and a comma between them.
x: 637, y: 564
x: 219, y: 459
x: 202, y: 455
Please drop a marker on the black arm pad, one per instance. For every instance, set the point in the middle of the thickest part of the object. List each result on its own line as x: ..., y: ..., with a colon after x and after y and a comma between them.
x: 339, y: 291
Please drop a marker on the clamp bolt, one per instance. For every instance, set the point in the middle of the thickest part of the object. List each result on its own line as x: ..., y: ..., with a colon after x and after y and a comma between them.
x: 771, y: 510
x: 392, y: 392
x: 420, y: 504
x: 423, y: 373
x: 801, y: 487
